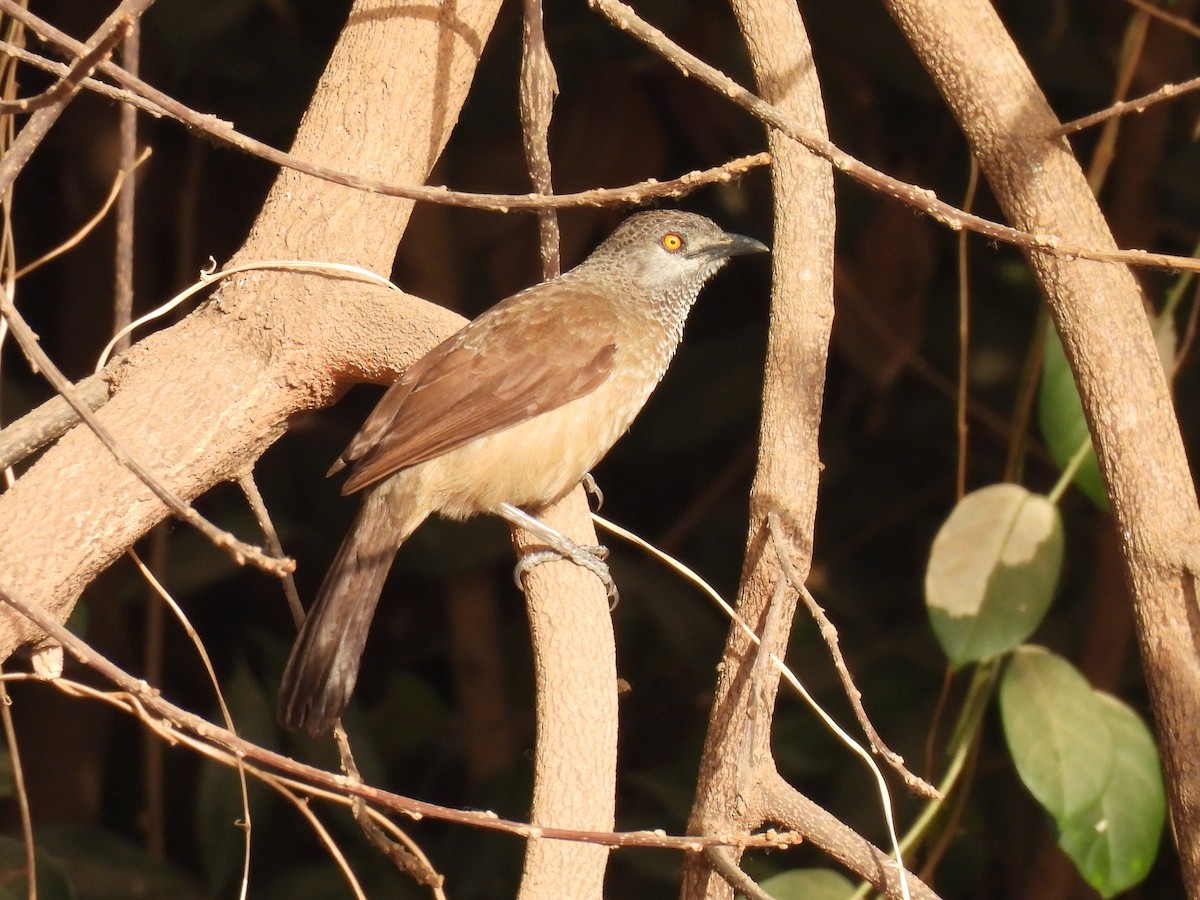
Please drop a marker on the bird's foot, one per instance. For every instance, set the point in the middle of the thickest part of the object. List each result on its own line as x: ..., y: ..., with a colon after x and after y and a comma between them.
x: 588, y: 557
x: 558, y: 546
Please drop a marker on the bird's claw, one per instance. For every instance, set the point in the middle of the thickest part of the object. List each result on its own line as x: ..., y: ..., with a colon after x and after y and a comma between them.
x: 590, y: 558
x: 589, y: 484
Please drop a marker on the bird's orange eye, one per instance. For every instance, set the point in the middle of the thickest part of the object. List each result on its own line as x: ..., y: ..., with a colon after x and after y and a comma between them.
x: 672, y: 242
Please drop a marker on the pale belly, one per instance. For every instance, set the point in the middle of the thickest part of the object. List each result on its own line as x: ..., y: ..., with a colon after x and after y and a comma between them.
x: 530, y: 464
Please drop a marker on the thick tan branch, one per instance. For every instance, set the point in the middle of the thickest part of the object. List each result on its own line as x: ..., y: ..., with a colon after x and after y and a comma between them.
x: 737, y: 748
x: 1098, y: 309
x: 200, y: 402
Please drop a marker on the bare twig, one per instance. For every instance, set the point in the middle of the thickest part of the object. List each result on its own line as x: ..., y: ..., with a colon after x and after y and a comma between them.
x: 722, y: 860
x: 539, y: 85
x: 829, y: 840
x: 49, y: 421
x: 271, y: 536
x: 829, y: 634
x: 241, y: 551
x: 284, y: 786
x: 964, y: 335
x: 42, y: 120
x: 322, y: 832
x: 15, y: 32
x: 123, y: 263
x: 623, y: 17
x: 87, y: 227
x: 405, y: 854
x: 153, y: 817
x: 18, y: 777
x: 161, y: 593
x: 1136, y: 105
x: 1159, y: 13
x: 53, y: 418
x: 158, y: 103
x: 182, y: 725
x: 824, y: 830
x: 70, y: 81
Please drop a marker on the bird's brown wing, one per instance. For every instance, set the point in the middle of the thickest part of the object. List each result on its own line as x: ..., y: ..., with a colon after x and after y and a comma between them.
x: 518, y: 360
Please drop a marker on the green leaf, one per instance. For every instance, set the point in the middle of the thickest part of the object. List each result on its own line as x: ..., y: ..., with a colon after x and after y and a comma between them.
x: 1113, y: 841
x: 1060, y: 415
x: 1057, y: 731
x: 992, y: 571
x: 808, y: 884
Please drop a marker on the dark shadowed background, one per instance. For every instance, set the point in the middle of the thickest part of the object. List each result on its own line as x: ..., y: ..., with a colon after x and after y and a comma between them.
x: 680, y: 478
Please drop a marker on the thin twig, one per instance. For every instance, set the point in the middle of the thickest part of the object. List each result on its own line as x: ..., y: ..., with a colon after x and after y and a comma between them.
x: 823, y: 830
x: 126, y: 208
x: 18, y: 777
x: 87, y: 227
x: 164, y: 595
x: 722, y: 860
x: 1189, y: 333
x: 1159, y: 13
x: 158, y: 103
x: 49, y: 421
x: 1136, y: 105
x: 539, y: 85
x: 790, y: 677
x: 271, y: 536
x: 13, y: 31
x: 153, y: 817
x: 40, y: 123
x: 829, y: 634
x: 923, y: 199
x: 322, y: 832
x: 964, y: 334
x: 1133, y: 43
x: 55, y: 417
x: 405, y: 854
x: 284, y: 786
x: 193, y: 727
x: 70, y: 81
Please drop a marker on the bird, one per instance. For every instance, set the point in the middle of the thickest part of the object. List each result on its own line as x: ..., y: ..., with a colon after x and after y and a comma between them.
x: 505, y: 416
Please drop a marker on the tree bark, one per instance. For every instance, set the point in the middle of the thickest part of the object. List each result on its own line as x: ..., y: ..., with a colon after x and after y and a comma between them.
x: 737, y: 758
x: 201, y: 401
x: 1098, y: 310
x: 575, y: 755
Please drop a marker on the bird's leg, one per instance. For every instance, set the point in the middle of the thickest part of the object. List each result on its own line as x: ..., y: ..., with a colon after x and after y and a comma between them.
x: 593, y: 489
x: 559, y: 547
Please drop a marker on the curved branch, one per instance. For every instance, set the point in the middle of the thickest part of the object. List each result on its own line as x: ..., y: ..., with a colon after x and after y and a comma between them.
x: 737, y: 747
x: 199, y: 402
x: 1098, y: 310
x: 147, y: 702
x: 822, y: 829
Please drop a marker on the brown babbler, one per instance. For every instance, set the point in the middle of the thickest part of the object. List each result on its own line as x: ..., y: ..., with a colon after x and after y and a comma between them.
x: 506, y: 415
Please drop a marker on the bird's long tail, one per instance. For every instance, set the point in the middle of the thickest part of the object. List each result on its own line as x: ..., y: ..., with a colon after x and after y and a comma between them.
x: 323, y: 665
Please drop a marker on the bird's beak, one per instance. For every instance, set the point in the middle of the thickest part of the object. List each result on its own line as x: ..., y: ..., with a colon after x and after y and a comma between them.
x: 734, y: 245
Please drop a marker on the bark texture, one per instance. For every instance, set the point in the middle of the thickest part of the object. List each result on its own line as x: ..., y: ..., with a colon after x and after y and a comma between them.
x: 201, y: 401
x: 737, y: 758
x: 1098, y: 310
